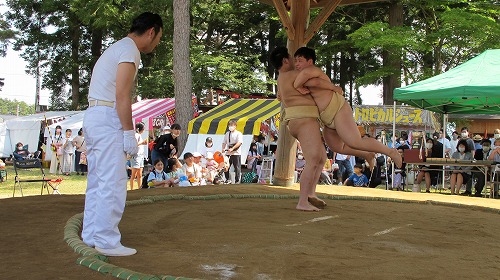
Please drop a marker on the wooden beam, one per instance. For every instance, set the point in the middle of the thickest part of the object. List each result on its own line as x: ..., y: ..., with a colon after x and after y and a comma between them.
x: 323, y: 3
x: 285, y: 18
x: 320, y: 19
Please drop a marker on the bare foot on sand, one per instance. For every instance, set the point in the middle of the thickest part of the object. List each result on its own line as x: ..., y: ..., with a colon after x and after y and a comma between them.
x: 396, y: 157
x: 306, y: 207
x: 316, y: 202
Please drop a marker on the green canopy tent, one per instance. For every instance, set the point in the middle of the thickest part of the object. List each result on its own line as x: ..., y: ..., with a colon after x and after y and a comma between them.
x: 470, y: 88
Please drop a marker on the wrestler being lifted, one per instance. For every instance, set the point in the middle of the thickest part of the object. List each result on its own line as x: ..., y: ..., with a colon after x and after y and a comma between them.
x: 301, y: 116
x: 335, y: 113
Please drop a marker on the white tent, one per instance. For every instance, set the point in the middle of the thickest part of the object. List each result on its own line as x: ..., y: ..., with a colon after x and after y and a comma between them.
x: 73, y: 122
x: 5, y: 145
x: 27, y: 130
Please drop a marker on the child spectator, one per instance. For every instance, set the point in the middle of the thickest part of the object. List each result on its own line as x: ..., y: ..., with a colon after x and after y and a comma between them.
x: 191, y: 169
x: 158, y: 178
x: 357, y: 179
x: 21, y: 152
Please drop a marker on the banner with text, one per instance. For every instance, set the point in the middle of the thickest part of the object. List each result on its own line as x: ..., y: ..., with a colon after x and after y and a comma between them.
x: 384, y: 115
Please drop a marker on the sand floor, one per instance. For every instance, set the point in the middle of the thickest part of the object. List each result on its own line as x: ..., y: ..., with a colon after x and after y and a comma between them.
x: 265, y: 238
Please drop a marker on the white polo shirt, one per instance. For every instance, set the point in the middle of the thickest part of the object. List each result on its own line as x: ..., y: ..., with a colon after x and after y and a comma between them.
x: 231, y: 138
x: 103, y: 81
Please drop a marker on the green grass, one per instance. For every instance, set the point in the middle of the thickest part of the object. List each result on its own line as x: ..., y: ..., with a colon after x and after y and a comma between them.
x: 74, y: 184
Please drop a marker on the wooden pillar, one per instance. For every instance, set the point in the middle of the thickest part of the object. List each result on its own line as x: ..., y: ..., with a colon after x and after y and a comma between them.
x: 287, y: 145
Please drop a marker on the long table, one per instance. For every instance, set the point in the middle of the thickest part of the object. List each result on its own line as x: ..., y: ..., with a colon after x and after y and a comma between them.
x: 481, y: 165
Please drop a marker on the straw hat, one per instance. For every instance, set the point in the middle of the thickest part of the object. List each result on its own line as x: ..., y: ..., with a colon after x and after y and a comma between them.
x: 477, y: 137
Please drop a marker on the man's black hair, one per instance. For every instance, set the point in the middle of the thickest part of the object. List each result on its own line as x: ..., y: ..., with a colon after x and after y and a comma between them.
x: 188, y: 155
x: 145, y: 21
x: 175, y: 126
x: 306, y: 53
x: 277, y: 56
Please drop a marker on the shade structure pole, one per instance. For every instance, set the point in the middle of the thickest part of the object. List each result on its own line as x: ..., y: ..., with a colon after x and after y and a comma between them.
x: 445, y: 120
x: 393, y: 141
x: 287, y: 145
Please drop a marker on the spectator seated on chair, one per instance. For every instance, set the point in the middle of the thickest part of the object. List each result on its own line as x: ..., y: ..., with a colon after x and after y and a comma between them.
x: 357, y: 179
x: 21, y: 152
x: 300, y: 163
x: 460, y: 174
x: 433, y: 149
x: 253, y: 158
x: 325, y: 176
x: 481, y: 154
x: 399, y: 173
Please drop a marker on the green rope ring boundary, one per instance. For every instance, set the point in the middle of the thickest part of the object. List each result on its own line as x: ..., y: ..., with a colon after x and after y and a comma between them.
x: 96, y: 261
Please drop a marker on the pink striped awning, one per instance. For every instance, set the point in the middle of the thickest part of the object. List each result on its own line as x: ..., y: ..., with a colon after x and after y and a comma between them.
x: 150, y: 108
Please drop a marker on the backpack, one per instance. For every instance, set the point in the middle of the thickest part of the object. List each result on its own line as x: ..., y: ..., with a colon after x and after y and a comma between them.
x: 145, y: 180
x: 250, y: 177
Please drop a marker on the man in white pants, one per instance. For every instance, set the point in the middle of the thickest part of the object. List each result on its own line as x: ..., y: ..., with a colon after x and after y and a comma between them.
x: 110, y: 134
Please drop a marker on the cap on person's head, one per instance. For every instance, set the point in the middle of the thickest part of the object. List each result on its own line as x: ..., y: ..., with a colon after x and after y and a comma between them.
x: 209, y: 139
x: 196, y: 154
x: 167, y: 127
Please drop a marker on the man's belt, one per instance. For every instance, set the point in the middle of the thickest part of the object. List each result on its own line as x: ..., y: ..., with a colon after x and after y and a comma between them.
x: 96, y: 102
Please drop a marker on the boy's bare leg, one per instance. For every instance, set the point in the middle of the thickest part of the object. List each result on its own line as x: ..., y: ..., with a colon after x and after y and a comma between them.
x: 307, y: 132
x: 334, y: 141
x: 348, y: 131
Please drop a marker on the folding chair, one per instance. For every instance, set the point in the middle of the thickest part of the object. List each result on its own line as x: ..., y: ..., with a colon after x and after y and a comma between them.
x: 31, y: 165
x: 490, y: 188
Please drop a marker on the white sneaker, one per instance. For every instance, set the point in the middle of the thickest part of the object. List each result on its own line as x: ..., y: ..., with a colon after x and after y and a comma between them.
x: 121, y: 251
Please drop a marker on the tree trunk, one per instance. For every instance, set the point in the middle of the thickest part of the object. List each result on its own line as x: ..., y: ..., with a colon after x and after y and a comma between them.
x: 182, y: 70
x: 393, y: 60
x: 75, y: 64
x: 96, y: 47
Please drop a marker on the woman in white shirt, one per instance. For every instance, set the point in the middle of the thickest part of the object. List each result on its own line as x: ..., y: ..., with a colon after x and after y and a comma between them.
x: 137, y: 161
x: 57, y: 151
x: 68, y: 153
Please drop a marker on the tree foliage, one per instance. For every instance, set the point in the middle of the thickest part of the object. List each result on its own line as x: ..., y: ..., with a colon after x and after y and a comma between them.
x: 9, y: 107
x: 230, y: 41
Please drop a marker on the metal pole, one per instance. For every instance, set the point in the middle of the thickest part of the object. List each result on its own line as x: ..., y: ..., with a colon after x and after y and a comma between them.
x: 445, y: 117
x: 393, y: 141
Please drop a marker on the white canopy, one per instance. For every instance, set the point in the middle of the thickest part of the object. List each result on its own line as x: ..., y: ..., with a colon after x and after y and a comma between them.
x: 27, y: 130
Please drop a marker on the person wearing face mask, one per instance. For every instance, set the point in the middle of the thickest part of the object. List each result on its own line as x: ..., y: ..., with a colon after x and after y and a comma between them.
x: 446, y: 143
x: 472, y: 148
x: 454, y: 141
x: 166, y: 145
x: 496, y: 135
x: 495, y: 156
x: 460, y: 174
x: 433, y: 149
x: 481, y: 154
x: 57, y: 141
x: 208, y: 147
x: 252, y: 158
x: 300, y: 163
x: 233, y: 139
